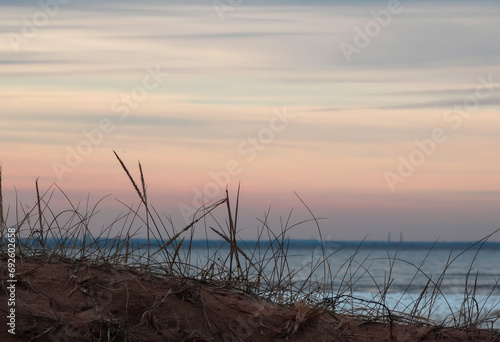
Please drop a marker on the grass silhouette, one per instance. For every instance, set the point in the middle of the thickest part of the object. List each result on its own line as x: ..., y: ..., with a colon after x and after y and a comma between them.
x: 260, y: 272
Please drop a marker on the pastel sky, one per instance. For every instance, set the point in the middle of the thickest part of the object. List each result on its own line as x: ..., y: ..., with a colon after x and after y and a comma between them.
x: 323, y: 98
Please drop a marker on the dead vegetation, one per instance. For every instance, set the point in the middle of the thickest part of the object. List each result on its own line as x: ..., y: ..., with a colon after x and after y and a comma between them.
x: 74, y: 285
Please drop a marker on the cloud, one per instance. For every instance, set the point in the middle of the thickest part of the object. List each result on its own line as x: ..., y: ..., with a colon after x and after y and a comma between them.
x: 493, y: 101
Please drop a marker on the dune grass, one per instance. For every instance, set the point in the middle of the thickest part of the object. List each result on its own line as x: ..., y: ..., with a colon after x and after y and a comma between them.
x: 261, y: 269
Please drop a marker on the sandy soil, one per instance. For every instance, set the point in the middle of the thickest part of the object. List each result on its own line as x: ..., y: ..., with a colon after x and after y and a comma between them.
x: 65, y: 301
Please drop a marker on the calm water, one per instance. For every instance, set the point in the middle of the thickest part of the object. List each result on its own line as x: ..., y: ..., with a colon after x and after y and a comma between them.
x: 459, y: 277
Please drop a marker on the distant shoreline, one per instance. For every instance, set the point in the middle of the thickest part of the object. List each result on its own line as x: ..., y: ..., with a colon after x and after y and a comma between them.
x: 299, y: 243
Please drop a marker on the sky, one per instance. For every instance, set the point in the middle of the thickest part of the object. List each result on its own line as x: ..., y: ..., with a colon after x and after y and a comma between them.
x: 382, y: 116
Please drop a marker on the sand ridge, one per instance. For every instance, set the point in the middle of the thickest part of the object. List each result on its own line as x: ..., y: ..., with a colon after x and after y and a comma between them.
x: 66, y: 300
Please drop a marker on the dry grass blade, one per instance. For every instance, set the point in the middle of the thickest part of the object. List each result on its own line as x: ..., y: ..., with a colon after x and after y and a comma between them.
x: 232, y: 237
x: 40, y: 219
x: 130, y: 177
x: 145, y: 201
x: 229, y: 241
x: 177, y: 248
x: 189, y: 226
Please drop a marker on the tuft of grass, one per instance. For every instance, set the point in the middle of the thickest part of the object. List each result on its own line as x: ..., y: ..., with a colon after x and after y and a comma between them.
x: 262, y: 269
